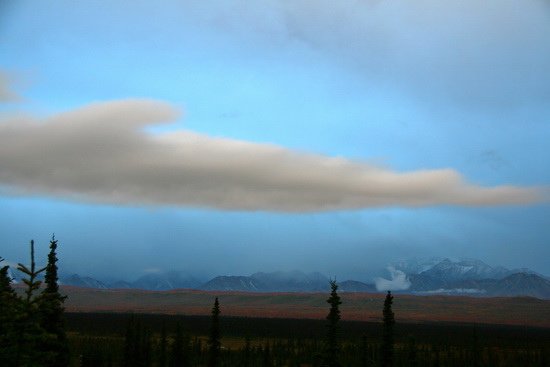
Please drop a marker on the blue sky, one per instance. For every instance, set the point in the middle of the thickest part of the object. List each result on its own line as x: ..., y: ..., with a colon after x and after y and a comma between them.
x: 233, y: 137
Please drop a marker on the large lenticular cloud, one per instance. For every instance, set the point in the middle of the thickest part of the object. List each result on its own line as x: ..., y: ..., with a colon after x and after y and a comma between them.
x: 101, y: 153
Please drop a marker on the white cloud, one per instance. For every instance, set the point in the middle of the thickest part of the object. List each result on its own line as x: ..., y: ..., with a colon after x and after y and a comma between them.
x: 398, y: 282
x: 490, y: 54
x: 102, y: 153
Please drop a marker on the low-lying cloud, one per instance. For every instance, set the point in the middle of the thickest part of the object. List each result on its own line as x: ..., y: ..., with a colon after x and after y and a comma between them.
x: 102, y: 153
x: 398, y: 281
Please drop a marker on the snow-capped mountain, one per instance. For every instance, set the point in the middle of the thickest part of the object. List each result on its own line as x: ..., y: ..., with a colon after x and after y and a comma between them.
x: 417, y: 276
x: 447, y: 270
x: 518, y: 284
x: 473, y: 277
x: 233, y: 283
x: 156, y: 281
x: 416, y: 265
x: 450, y: 271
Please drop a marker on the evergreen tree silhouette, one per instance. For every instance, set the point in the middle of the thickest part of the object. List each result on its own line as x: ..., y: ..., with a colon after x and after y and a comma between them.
x: 31, y: 326
x: 332, y: 344
x: 8, y: 313
x: 214, y: 343
x: 51, y: 309
x: 387, y: 336
x: 30, y: 336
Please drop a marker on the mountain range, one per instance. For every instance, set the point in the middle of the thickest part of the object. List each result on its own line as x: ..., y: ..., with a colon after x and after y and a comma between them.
x: 473, y: 277
x: 424, y: 277
x: 446, y: 270
x: 293, y: 281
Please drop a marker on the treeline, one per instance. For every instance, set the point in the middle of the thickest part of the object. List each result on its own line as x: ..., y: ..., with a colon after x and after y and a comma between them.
x: 166, y: 340
x: 296, y: 351
x: 141, y: 349
x: 33, y: 332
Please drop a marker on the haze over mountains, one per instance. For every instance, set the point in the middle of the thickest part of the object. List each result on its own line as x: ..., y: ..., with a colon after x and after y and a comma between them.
x: 431, y: 276
x: 417, y: 276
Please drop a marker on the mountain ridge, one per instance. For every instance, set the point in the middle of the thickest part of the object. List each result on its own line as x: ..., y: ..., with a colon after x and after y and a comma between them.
x: 426, y: 277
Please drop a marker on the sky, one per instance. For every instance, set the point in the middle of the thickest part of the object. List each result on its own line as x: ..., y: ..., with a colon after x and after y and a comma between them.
x: 229, y: 137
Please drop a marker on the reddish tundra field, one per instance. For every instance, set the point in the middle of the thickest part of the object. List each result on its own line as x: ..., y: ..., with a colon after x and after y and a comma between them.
x: 355, y: 306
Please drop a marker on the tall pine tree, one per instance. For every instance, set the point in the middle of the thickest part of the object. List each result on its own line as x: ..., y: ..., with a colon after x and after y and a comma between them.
x: 31, y: 326
x: 51, y: 312
x: 8, y: 312
x: 214, y: 343
x: 332, y: 343
x: 30, y: 336
x: 387, y: 336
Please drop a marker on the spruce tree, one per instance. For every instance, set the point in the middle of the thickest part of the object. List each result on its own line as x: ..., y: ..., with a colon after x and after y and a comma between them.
x: 332, y: 344
x: 8, y: 314
x: 32, y: 282
x: 32, y: 324
x: 51, y: 312
x: 214, y: 343
x: 387, y: 336
x: 30, y: 335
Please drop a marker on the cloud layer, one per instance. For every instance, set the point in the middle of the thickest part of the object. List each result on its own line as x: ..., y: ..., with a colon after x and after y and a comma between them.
x: 398, y: 282
x: 6, y: 92
x: 486, y: 54
x: 103, y: 153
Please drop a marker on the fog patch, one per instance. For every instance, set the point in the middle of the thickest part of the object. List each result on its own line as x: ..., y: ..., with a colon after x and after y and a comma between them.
x: 398, y: 281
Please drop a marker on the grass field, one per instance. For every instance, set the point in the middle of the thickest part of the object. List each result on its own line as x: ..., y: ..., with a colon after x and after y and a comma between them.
x: 355, y: 306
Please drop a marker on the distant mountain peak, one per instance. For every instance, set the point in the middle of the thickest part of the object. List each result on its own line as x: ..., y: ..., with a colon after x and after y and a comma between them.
x: 423, y: 276
x: 84, y: 282
x: 233, y: 283
x: 471, y: 276
x: 450, y: 269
